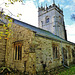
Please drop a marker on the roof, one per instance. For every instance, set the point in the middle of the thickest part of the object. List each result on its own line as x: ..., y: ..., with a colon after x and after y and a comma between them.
x: 38, y: 31
x: 41, y: 32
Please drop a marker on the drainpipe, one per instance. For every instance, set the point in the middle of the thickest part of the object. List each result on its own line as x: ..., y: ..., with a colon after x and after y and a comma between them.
x: 63, y: 57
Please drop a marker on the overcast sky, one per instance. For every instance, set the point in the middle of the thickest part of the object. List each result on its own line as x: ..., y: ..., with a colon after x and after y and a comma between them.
x: 29, y: 11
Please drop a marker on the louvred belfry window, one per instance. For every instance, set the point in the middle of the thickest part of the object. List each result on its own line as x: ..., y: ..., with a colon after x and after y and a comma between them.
x: 18, y: 51
x: 47, y: 19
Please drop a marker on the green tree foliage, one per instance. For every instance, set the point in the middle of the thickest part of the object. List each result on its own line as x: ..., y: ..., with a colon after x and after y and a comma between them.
x: 12, y: 1
x: 7, y: 27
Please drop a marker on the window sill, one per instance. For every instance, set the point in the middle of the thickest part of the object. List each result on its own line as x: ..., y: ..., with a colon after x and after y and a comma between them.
x: 55, y: 59
x: 16, y: 60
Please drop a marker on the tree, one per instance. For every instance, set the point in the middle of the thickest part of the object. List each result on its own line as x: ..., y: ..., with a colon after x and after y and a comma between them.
x: 12, y: 1
x: 7, y: 32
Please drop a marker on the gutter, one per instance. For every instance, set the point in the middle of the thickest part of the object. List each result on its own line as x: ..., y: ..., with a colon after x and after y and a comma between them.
x: 52, y: 37
x: 63, y: 57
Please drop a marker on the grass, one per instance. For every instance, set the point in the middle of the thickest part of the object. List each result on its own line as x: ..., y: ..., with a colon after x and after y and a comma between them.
x: 70, y: 71
x: 62, y: 71
x: 57, y: 71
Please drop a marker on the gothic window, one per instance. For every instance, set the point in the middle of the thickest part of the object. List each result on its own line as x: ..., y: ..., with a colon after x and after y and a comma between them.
x: 64, y: 53
x: 55, y: 52
x: 47, y: 19
x: 18, y: 51
x: 73, y: 53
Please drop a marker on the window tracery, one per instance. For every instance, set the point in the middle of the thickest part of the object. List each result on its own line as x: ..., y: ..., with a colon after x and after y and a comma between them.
x: 18, y: 51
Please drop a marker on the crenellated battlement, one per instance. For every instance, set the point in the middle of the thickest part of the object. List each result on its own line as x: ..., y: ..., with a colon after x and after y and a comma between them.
x: 48, y: 8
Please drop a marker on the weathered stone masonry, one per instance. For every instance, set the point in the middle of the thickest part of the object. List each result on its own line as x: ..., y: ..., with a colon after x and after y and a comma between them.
x: 2, y: 45
x: 24, y: 36
x: 36, y: 51
x: 32, y: 49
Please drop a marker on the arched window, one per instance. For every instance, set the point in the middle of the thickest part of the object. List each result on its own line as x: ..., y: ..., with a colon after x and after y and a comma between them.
x: 55, y: 48
x: 47, y: 19
x: 18, y: 51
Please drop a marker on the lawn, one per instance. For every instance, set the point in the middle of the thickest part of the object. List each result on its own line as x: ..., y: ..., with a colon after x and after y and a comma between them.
x: 70, y: 71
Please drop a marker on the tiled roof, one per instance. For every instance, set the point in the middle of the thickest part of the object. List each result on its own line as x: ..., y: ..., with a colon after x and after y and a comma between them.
x: 41, y: 32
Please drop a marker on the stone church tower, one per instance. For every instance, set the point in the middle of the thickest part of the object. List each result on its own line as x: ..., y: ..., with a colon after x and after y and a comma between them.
x: 52, y: 19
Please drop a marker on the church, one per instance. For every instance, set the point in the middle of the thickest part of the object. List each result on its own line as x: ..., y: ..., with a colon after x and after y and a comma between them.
x: 32, y: 49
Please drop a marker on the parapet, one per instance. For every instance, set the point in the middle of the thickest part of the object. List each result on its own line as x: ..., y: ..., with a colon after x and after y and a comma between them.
x: 50, y: 7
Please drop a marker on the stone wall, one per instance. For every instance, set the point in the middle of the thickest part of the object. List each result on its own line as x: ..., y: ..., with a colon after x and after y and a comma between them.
x: 25, y: 36
x: 37, y: 51
x: 44, y: 53
x: 2, y: 45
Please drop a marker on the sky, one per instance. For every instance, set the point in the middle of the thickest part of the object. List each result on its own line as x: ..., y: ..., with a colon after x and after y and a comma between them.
x: 29, y: 11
